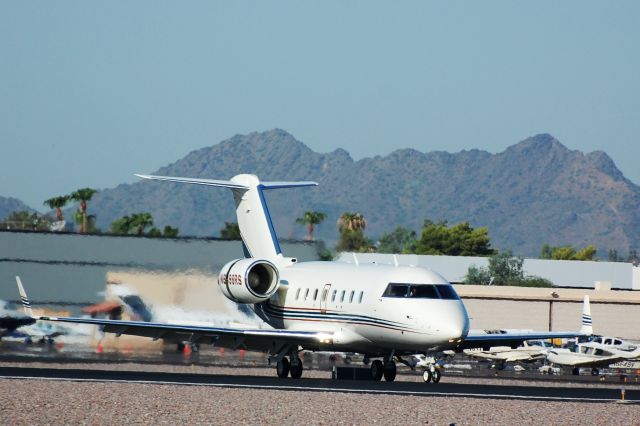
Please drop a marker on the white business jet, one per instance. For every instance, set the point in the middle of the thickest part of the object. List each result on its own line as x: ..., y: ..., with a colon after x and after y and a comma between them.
x: 381, y: 311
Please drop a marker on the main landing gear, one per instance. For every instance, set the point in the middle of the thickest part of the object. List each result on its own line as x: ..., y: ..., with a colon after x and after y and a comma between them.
x: 284, y: 367
x: 387, y: 369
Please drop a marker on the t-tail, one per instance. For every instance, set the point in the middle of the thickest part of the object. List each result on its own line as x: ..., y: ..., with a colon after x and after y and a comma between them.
x: 587, y: 323
x: 254, y: 221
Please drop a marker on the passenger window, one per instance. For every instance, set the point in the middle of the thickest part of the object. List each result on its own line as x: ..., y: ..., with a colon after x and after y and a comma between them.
x: 617, y: 342
x: 324, y: 295
x: 333, y: 295
x: 360, y: 298
x: 342, y: 296
x: 351, y: 296
x: 297, y: 294
x: 306, y: 294
x: 315, y: 294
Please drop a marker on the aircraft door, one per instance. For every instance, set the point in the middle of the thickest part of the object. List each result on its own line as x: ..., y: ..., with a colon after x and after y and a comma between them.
x: 324, y: 298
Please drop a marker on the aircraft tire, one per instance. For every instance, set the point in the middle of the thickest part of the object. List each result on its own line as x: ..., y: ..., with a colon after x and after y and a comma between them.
x: 390, y: 371
x: 296, y: 370
x: 377, y: 370
x: 575, y: 371
x: 436, y: 375
x: 426, y: 375
x: 282, y: 368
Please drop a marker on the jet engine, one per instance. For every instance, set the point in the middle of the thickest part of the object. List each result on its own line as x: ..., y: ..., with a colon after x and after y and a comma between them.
x: 248, y: 280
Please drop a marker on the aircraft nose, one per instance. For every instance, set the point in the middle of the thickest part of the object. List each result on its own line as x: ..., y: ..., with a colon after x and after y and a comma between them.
x: 455, y: 325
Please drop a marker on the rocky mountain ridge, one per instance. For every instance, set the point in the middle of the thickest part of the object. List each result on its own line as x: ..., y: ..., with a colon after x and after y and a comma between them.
x: 534, y: 192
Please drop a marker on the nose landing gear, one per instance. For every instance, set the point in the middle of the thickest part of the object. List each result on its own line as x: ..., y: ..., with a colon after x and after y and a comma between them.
x: 431, y: 373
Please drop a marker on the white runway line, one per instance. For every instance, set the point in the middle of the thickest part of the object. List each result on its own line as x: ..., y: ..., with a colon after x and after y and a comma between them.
x: 344, y: 390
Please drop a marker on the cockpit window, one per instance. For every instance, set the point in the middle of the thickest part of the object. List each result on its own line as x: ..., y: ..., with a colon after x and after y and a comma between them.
x: 416, y: 291
x: 447, y: 292
x: 396, y: 290
x: 423, y: 291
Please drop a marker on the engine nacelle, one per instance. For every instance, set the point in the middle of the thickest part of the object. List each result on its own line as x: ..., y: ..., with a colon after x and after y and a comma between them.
x: 248, y: 280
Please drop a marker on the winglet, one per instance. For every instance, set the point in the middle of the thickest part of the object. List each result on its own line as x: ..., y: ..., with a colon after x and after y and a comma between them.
x: 587, y: 323
x: 26, y: 305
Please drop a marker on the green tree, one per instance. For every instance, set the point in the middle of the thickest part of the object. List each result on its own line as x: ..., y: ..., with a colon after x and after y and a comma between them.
x: 57, y: 203
x: 154, y: 233
x: 459, y: 240
x: 231, y: 231
x: 351, y: 222
x: 141, y: 221
x: 121, y: 226
x: 400, y: 240
x: 613, y: 256
x: 311, y: 219
x: 83, y: 196
x: 504, y: 269
x: 587, y: 253
x: 351, y: 228
x: 477, y: 275
x: 546, y: 251
x: 24, y: 220
x: 568, y: 252
x: 170, y: 232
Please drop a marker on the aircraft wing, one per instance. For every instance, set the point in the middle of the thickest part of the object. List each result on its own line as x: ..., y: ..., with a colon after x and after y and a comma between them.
x: 486, y: 341
x: 227, y: 337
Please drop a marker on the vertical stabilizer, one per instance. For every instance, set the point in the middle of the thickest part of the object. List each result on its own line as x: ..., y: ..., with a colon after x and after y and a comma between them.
x: 26, y: 305
x: 254, y: 221
x: 587, y: 324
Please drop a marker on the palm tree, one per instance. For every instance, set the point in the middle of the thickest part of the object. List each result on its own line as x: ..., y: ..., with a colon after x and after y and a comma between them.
x: 121, y: 226
x: 351, y: 222
x: 141, y: 221
x: 57, y: 203
x: 311, y: 219
x: 82, y: 196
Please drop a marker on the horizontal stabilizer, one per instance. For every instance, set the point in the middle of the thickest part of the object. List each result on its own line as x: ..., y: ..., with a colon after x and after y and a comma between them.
x: 195, y: 181
x: 279, y: 185
x: 256, y: 228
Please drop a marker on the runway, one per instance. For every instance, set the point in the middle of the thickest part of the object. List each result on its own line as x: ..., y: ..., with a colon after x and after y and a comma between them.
x: 533, y: 392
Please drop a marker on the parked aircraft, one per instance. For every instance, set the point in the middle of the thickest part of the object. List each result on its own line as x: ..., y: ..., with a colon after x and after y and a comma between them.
x: 589, y: 354
x: 15, y: 326
x: 11, y: 320
x: 382, y: 311
x: 529, y: 351
x: 597, y: 351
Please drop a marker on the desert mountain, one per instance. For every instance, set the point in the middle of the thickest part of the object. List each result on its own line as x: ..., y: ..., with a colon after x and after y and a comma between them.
x: 9, y: 205
x: 536, y: 191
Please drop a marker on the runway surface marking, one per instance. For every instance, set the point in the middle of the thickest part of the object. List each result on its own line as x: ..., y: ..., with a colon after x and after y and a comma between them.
x: 330, y: 389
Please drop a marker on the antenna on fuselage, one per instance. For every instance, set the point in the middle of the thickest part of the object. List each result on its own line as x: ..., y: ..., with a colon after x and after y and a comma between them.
x: 395, y: 260
x: 355, y: 259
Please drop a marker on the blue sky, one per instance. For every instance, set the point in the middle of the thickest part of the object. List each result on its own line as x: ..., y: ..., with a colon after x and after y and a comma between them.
x: 93, y: 92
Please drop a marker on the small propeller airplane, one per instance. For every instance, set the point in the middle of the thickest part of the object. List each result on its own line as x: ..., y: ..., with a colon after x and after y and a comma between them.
x: 382, y: 311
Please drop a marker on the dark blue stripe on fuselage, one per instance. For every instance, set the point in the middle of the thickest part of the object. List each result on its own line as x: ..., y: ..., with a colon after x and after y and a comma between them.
x: 274, y: 237
x: 279, y: 312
